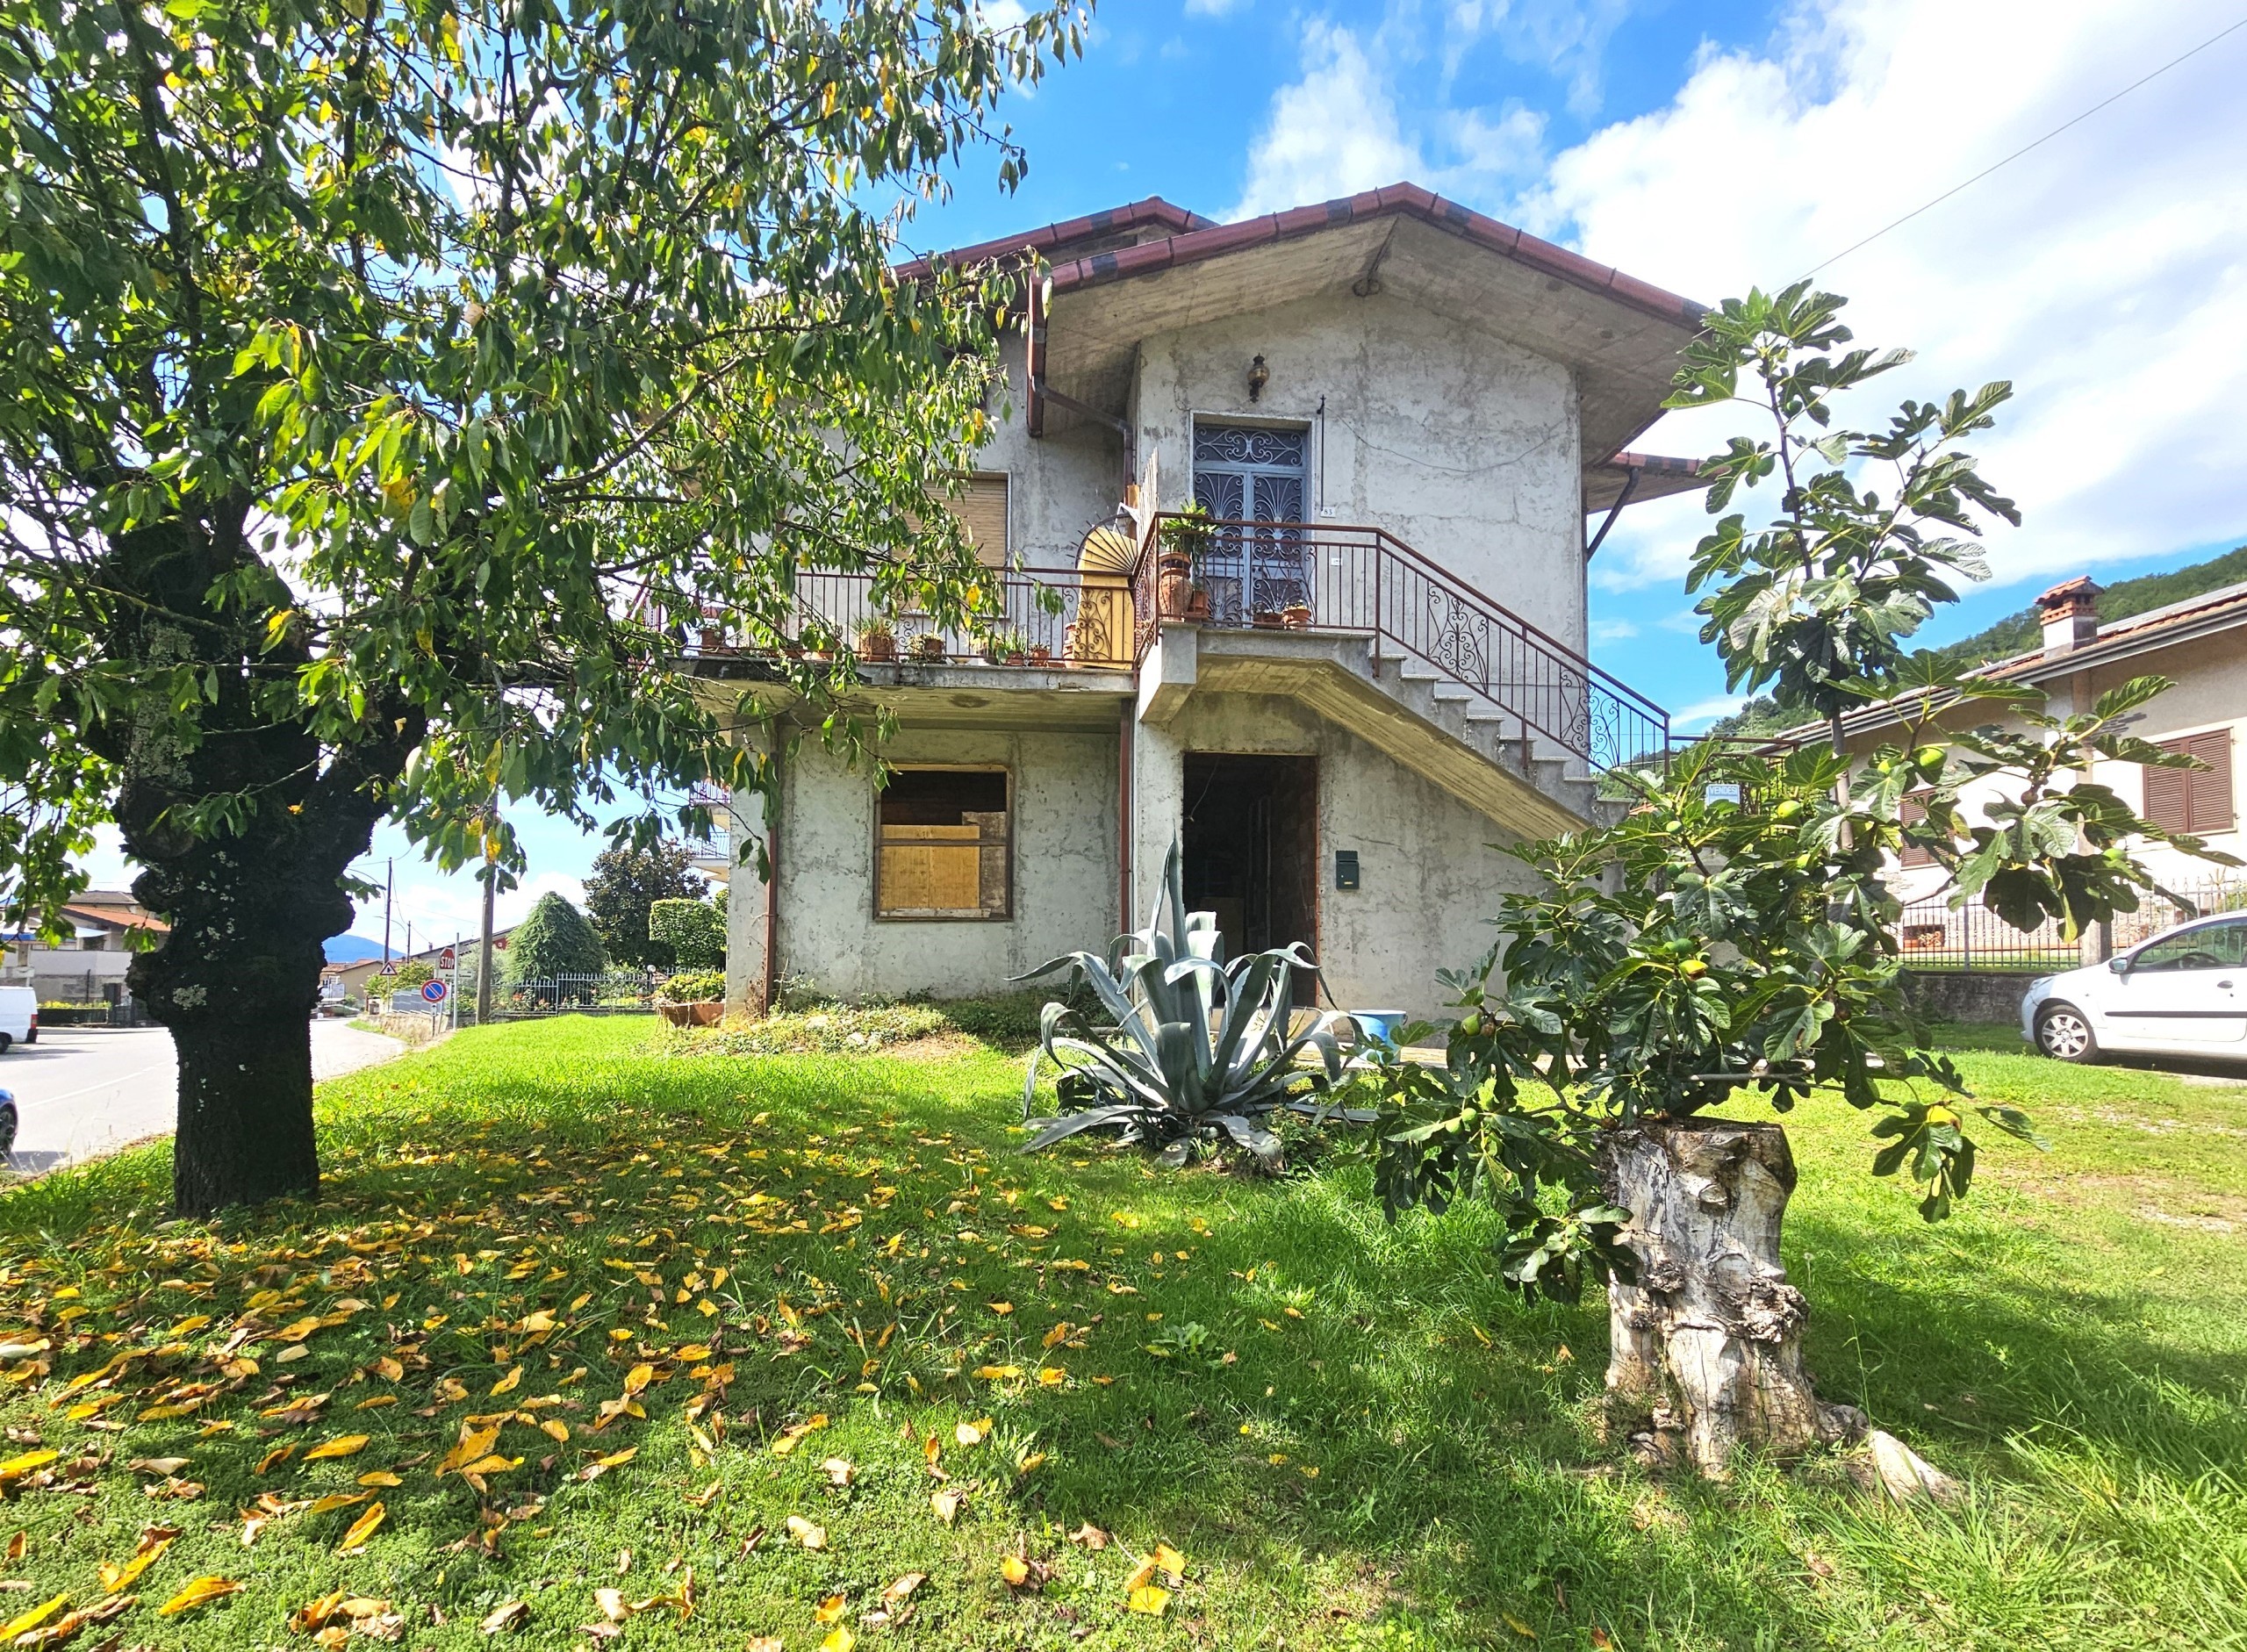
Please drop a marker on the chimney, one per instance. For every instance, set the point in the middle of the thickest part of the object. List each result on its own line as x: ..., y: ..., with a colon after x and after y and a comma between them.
x: 2071, y: 615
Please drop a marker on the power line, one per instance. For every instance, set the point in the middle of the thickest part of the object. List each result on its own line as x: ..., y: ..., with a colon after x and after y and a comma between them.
x: 2026, y: 148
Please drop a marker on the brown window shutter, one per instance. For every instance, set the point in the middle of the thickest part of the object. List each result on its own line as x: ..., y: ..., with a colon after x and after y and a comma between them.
x: 1914, y: 855
x: 981, y: 508
x: 2166, y: 801
x: 2209, y: 791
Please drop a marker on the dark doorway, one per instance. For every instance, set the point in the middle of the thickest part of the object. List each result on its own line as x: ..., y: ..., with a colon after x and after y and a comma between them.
x: 1251, y: 848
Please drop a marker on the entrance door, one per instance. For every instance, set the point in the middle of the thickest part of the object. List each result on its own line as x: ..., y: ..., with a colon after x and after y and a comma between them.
x: 1251, y: 849
x: 1252, y: 473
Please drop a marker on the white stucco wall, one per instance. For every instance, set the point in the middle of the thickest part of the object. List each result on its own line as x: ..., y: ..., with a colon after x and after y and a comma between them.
x: 1465, y: 446
x: 1065, y: 868
x: 1059, y: 485
x: 1430, y: 873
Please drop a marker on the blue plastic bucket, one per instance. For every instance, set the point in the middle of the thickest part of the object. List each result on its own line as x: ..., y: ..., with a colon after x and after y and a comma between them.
x: 1378, y: 1026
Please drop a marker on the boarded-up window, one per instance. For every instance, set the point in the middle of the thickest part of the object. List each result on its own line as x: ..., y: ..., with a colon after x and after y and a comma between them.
x: 2194, y: 800
x: 1915, y: 854
x: 942, y: 845
x: 981, y: 507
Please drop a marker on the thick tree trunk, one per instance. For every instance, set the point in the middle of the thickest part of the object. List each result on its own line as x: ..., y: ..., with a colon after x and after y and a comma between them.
x: 252, y: 887
x: 245, y: 1114
x: 1707, y: 1346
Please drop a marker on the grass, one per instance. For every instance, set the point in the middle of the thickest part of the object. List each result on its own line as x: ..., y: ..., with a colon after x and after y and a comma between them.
x: 1350, y: 1434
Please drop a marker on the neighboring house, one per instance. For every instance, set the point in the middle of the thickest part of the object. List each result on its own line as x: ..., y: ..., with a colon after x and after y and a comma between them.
x: 2200, y: 645
x: 1418, y: 421
x: 103, y: 929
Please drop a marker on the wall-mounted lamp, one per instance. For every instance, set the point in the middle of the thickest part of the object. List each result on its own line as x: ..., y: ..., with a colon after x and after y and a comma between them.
x: 1258, y: 376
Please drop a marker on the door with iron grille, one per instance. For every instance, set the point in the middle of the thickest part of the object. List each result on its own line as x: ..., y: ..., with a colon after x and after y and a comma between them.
x: 1252, y: 474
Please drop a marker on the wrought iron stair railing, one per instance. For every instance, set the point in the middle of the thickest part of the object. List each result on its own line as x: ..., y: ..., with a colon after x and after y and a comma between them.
x: 1321, y: 577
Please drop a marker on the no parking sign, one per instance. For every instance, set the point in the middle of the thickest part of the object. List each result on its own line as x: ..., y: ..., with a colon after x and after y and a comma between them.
x: 434, y: 992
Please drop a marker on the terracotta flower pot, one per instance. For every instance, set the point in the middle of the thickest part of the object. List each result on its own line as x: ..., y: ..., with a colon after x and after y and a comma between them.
x: 1175, y: 590
x: 1041, y: 656
x: 928, y: 646
x: 1296, y: 616
x: 877, y: 645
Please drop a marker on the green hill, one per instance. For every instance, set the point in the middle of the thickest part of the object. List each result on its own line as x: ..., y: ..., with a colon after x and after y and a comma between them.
x: 2018, y: 633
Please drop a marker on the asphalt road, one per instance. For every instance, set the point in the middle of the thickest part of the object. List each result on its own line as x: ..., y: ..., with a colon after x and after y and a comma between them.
x: 82, y: 1091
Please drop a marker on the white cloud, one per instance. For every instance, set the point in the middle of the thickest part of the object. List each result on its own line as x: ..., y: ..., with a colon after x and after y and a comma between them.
x: 1702, y: 712
x: 1212, y: 7
x: 1612, y: 630
x: 1331, y: 133
x: 1338, y: 129
x: 2105, y: 273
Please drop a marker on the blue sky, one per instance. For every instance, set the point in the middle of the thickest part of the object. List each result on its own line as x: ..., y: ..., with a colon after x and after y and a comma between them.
x: 1703, y: 147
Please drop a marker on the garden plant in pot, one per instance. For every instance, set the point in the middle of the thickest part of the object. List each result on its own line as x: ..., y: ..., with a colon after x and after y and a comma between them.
x: 693, y: 998
x: 876, y: 640
x: 1186, y: 539
x: 1732, y: 938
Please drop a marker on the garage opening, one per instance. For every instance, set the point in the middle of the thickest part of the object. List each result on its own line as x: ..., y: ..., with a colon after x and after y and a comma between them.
x: 1251, y: 848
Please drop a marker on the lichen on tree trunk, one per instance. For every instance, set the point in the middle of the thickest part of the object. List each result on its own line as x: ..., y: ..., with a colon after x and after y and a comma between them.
x: 1706, y: 1354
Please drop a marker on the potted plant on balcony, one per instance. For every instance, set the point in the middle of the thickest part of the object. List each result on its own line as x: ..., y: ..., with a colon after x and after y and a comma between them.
x: 876, y: 640
x: 1040, y: 655
x: 693, y: 998
x: 1186, y: 539
x: 929, y: 645
x: 1296, y: 616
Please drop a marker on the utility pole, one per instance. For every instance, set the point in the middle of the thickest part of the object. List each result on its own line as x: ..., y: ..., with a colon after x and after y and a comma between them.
x: 390, y: 884
x: 408, y: 952
x: 484, y: 948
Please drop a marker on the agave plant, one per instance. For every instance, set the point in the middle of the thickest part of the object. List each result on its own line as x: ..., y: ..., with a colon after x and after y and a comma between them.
x: 1198, y: 1045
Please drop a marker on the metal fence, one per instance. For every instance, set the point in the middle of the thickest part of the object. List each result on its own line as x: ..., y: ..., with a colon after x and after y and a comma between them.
x: 613, y: 992
x: 1936, y: 936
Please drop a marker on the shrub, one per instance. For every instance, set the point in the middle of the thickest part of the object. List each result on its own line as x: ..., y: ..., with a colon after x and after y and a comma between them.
x: 694, y: 931
x: 693, y: 986
x: 554, y: 940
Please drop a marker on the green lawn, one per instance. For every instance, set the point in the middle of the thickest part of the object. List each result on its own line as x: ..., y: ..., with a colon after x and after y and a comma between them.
x: 1352, y: 1436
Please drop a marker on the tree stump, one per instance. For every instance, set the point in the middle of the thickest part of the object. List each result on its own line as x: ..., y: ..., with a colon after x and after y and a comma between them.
x: 1707, y: 1345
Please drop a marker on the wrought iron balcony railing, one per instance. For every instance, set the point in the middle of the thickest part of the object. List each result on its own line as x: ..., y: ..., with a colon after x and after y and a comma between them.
x: 1321, y: 577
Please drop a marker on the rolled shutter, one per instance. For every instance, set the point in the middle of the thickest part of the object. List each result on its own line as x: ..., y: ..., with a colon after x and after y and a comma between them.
x: 981, y: 508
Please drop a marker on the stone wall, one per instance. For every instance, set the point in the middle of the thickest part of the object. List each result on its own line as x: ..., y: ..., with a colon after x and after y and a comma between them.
x: 1969, y: 995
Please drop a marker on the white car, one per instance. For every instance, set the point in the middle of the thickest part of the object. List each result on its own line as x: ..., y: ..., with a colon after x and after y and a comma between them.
x: 2184, y: 993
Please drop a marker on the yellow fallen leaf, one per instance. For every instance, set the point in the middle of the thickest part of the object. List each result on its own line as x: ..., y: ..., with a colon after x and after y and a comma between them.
x: 1519, y: 1626
x: 1150, y: 1598
x: 1014, y: 1569
x: 694, y: 1352
x: 380, y: 1478
x: 840, y: 1471
x: 315, y: 1614
x: 16, y: 1468
x: 808, y: 1532
x: 638, y: 1377
x: 200, y: 1591
x: 613, y: 1604
x: 970, y: 1433
x: 996, y: 1374
x: 618, y: 1459
x: 298, y: 1331
x: 1000, y: 1307
x: 556, y: 1429
x: 503, y: 1618
x: 838, y: 1640
x: 279, y: 1453
x: 508, y: 1384
x: 832, y: 1608
x: 945, y: 1503
x: 35, y: 1617
x: 362, y: 1529
x: 1170, y: 1561
x: 117, y: 1579
x: 332, y: 1502
x: 903, y: 1588
x: 343, y: 1446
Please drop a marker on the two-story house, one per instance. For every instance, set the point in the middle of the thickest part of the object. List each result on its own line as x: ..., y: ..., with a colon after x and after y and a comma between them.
x: 1413, y: 424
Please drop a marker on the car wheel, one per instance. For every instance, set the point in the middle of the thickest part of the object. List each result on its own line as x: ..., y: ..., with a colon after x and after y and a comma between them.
x: 4, y: 1042
x: 7, y: 1129
x: 2064, y: 1032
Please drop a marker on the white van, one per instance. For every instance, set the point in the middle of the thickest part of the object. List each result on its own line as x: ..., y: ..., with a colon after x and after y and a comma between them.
x: 18, y: 1016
